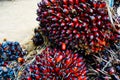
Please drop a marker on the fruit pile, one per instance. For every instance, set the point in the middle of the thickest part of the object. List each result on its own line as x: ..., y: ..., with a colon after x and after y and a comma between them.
x: 9, y: 52
x: 83, y: 24
x: 55, y: 64
x: 75, y: 28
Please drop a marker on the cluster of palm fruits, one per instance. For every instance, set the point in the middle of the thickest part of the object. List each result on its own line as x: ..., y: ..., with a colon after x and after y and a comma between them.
x: 54, y: 64
x: 81, y: 24
x: 74, y: 28
x: 9, y: 51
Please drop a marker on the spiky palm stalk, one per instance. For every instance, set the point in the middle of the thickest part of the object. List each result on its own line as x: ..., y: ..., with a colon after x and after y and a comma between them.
x: 105, y: 65
x: 54, y: 64
x: 77, y: 23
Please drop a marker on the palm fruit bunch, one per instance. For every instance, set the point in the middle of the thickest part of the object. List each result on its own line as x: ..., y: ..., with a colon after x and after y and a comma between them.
x: 105, y: 65
x: 55, y: 64
x: 81, y: 24
x: 10, y: 51
x: 37, y: 38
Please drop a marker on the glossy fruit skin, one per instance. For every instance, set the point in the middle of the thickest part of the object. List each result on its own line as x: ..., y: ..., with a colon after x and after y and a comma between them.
x: 77, y: 23
x: 63, y: 46
x: 57, y: 64
x: 21, y: 60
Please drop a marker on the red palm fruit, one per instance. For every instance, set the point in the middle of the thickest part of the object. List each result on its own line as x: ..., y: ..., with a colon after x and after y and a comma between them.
x: 76, y: 23
x: 20, y: 60
x: 37, y: 77
x: 29, y: 78
x: 83, y: 0
x: 63, y: 46
x: 47, y: 3
x: 102, y: 5
x: 76, y: 2
x: 77, y: 35
x: 71, y: 1
x: 65, y: 10
x: 59, y: 58
x: 111, y: 70
x: 65, y: 2
x: 63, y: 65
x: 53, y: 1
x: 95, y: 4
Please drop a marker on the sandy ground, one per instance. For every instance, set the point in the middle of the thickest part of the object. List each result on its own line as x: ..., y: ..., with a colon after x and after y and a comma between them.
x: 17, y: 19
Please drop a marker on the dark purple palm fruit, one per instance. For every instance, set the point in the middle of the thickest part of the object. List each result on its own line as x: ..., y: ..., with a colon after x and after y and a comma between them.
x: 37, y: 38
x: 105, y: 65
x: 11, y: 51
x: 6, y: 73
x: 77, y: 23
x: 54, y: 64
